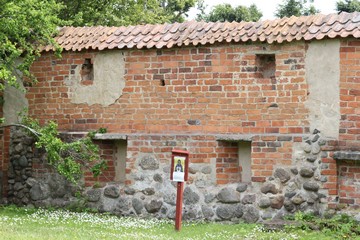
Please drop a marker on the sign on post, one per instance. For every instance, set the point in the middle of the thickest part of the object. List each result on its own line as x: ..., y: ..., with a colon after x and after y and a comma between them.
x: 179, y: 166
x: 179, y: 173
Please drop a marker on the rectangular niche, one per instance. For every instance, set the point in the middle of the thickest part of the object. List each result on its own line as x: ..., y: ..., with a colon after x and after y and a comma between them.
x: 233, y: 163
x: 266, y: 65
x: 120, y: 160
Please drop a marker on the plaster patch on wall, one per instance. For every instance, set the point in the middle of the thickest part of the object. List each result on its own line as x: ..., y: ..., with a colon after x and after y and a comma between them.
x: 108, y: 84
x: 322, y: 64
x: 14, y: 103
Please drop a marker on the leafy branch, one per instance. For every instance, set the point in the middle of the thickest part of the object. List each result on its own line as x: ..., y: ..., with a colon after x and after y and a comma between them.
x: 70, y: 159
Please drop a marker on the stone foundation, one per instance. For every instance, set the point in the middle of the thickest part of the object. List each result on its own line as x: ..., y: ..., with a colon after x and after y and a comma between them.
x: 147, y: 190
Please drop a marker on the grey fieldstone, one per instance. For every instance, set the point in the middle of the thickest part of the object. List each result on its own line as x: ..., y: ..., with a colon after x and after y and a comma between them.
x: 18, y: 186
x: 315, y: 137
x: 306, y: 172
x: 190, y: 197
x: 306, y: 147
x: 313, y: 196
x: 93, y: 195
x: 316, y: 131
x: 23, y: 162
x: 189, y: 214
x: 60, y: 192
x: 202, y: 183
x: 138, y: 205
x: 123, y: 205
x: 206, y: 170
x: 129, y: 191
x: 171, y: 214
x: 264, y: 202
x: 298, y: 199
x: 311, y: 159
x: 269, y: 188
x: 311, y: 186
x: 170, y: 199
x: 227, y: 195
x: 294, y: 170
x: 148, y: 191
x: 193, y: 169
x: 251, y: 214
x: 58, y: 203
x: 277, y: 202
x: 290, y: 194
x: 163, y: 210
x: 208, y: 213
x: 289, y: 206
x: 153, y: 206
x: 166, y: 169
x: 225, y: 212
x: 323, y: 179
x: 158, y: 178
x: 248, y: 199
x: 209, y: 197
x: 111, y: 192
x: 282, y: 174
x: 322, y: 142
x: 267, y: 215
x: 315, y: 149
x: 239, y: 210
x: 139, y: 177
x: 241, y: 187
x: 303, y: 206
x: 149, y: 163
x: 39, y: 191
x: 19, y: 147
x: 31, y: 181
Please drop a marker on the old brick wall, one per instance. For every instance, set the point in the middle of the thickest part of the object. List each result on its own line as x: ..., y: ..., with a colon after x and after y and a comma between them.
x: 198, y: 90
x: 184, y: 97
x: 206, y: 89
x: 4, y: 156
x: 350, y: 96
x: 349, y: 138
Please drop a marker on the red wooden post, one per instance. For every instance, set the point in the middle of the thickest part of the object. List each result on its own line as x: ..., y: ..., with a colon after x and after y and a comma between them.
x: 179, y: 200
x: 179, y: 172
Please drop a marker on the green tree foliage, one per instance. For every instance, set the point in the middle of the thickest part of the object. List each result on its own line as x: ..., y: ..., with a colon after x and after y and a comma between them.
x: 123, y: 12
x: 295, y: 8
x: 348, y: 6
x: 225, y: 12
x: 24, y: 26
x: 70, y: 159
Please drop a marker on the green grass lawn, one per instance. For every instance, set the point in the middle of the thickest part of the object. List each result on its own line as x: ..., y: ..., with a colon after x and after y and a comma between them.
x: 21, y: 223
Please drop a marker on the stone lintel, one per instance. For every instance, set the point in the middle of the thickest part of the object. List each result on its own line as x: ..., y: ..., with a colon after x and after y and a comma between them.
x: 234, y: 138
x: 347, y: 155
x: 110, y: 136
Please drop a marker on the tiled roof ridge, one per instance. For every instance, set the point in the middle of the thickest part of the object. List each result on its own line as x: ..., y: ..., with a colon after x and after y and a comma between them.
x: 314, y: 27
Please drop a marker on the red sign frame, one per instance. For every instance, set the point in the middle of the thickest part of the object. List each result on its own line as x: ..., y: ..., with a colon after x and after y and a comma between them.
x: 176, y: 155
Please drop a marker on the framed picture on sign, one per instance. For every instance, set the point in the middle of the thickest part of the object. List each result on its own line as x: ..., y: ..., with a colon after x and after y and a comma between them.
x: 179, y: 166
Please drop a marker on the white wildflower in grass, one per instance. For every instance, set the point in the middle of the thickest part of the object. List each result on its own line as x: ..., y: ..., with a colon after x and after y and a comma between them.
x: 61, y: 224
x: 260, y: 233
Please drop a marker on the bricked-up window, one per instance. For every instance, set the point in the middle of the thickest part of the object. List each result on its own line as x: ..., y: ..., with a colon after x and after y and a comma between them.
x: 266, y: 66
x: 87, y: 72
x: 227, y: 163
x: 120, y: 161
x: 233, y: 162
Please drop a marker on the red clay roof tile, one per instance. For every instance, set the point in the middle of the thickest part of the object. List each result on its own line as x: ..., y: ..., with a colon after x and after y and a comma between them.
x: 194, y: 33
